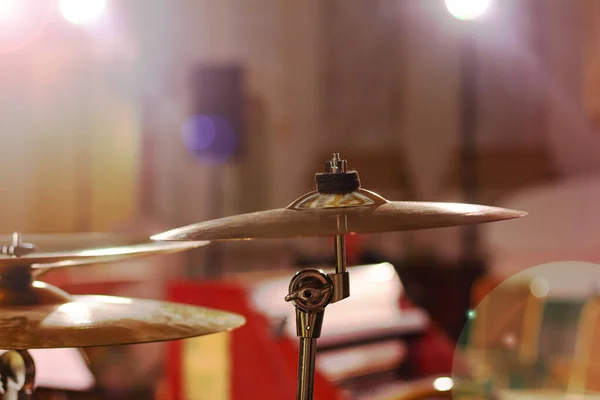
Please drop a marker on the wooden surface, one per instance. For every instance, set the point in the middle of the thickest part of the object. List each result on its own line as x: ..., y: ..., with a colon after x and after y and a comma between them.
x: 73, y: 137
x: 504, y: 170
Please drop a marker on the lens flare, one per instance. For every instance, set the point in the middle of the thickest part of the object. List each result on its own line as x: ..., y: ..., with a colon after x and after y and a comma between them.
x: 540, y: 287
x: 81, y: 12
x: 199, y: 132
x: 210, y: 138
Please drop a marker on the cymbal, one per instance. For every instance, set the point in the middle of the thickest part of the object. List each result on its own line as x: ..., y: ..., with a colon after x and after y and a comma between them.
x: 49, y: 318
x: 23, y: 254
x: 318, y: 214
x: 52, y: 242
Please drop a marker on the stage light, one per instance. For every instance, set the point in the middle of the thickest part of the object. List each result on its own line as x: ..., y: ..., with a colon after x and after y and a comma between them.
x: 81, y: 12
x: 7, y: 8
x: 467, y: 9
x: 22, y: 22
x: 443, y: 384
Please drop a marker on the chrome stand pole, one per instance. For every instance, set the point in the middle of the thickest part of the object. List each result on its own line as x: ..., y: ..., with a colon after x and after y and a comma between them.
x: 310, y: 291
x: 306, y: 368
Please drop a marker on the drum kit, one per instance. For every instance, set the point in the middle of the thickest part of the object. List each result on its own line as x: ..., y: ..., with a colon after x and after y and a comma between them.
x: 36, y: 315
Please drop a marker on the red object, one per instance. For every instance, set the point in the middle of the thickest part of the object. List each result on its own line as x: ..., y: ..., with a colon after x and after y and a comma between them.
x: 433, y: 352
x: 353, y: 247
x: 482, y: 287
x: 263, y: 367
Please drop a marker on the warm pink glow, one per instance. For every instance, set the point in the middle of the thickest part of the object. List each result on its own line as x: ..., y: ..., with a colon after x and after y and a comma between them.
x: 22, y: 22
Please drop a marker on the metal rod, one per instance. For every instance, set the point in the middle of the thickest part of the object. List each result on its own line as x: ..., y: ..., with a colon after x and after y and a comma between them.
x: 306, y: 368
x: 340, y: 254
x: 310, y: 291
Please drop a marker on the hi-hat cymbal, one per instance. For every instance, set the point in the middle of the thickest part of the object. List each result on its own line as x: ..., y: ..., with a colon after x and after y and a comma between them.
x: 46, y: 317
x: 318, y: 214
x: 19, y: 253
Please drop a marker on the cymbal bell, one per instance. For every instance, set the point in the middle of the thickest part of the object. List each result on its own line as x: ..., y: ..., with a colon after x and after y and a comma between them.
x: 24, y: 254
x: 319, y: 214
x: 40, y: 316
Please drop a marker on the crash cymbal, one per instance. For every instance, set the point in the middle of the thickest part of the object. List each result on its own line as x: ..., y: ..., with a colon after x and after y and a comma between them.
x: 39, y: 316
x: 338, y: 207
x: 20, y: 253
x: 321, y: 214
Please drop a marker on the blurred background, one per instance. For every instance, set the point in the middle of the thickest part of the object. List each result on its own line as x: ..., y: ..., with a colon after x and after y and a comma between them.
x: 139, y: 116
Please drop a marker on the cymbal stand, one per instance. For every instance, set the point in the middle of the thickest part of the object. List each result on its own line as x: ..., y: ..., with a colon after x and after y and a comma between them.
x: 310, y: 291
x: 17, y: 375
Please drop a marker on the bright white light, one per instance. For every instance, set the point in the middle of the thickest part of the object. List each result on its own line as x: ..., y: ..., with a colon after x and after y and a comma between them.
x: 467, y: 9
x: 76, y: 313
x: 7, y: 8
x: 443, y: 384
x: 109, y: 299
x: 81, y: 12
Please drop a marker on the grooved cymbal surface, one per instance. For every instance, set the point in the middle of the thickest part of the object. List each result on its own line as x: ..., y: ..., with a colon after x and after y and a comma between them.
x: 291, y: 222
x: 83, y: 321
x: 65, y: 258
